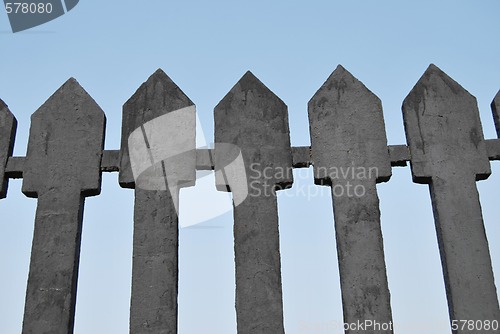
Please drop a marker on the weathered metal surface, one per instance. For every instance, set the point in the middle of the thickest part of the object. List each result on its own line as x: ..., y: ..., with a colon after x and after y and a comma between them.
x: 62, y: 167
x: 448, y: 152
x: 8, y: 126
x: 255, y: 121
x: 155, y: 254
x: 349, y: 152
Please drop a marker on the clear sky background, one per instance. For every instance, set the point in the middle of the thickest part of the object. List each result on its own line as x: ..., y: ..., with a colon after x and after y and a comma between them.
x: 111, y: 47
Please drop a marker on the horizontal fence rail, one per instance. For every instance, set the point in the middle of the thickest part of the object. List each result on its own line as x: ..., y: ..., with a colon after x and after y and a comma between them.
x: 445, y: 148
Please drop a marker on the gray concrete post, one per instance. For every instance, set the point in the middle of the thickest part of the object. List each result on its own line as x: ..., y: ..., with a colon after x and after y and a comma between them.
x: 448, y: 152
x: 63, y: 166
x: 350, y: 154
x: 255, y: 121
x: 8, y: 126
x: 153, y: 306
x: 495, y: 107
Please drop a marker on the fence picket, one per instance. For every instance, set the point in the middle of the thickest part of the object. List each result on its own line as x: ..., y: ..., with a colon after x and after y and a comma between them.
x: 448, y: 152
x: 495, y: 107
x: 255, y: 120
x: 156, y: 234
x: 8, y: 126
x: 350, y: 154
x: 62, y: 168
x: 253, y: 159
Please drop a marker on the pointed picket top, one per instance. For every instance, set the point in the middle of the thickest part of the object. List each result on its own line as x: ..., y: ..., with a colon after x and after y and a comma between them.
x: 159, y: 86
x: 70, y: 95
x: 156, y: 97
x: 66, y: 142
x: 342, y: 82
x: 254, y: 119
x: 495, y: 107
x: 443, y: 128
x: 347, y: 128
x: 8, y: 126
x: 249, y: 83
x: 3, y: 105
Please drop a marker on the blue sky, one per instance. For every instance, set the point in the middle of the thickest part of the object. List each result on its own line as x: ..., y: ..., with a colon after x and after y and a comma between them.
x: 205, y: 47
